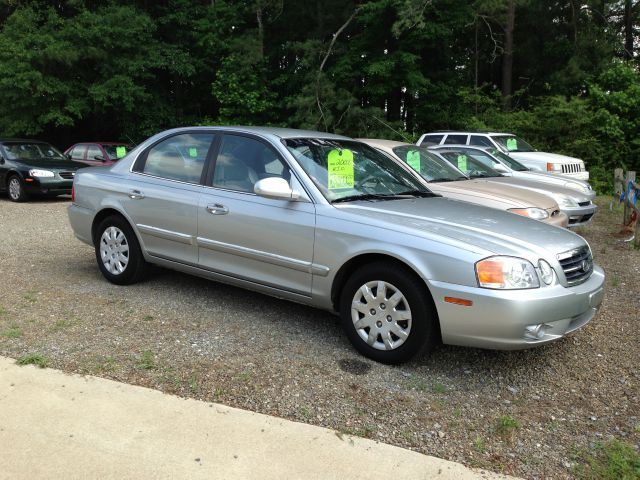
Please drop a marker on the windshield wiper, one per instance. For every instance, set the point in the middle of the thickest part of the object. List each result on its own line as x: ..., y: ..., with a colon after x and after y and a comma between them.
x: 372, y: 196
x: 419, y: 193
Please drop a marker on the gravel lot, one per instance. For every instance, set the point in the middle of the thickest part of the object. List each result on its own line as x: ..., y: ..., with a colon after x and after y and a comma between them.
x: 525, y: 413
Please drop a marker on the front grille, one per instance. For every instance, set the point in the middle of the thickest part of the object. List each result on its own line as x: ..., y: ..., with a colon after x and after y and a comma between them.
x: 577, y: 265
x: 571, y: 168
x: 585, y: 204
x: 67, y: 175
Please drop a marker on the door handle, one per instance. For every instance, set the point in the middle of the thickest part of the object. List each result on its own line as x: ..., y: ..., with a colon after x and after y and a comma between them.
x: 136, y: 194
x: 217, y: 209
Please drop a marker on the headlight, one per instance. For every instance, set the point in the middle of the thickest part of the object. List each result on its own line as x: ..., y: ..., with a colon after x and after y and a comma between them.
x: 564, y: 200
x: 506, y: 273
x: 532, y: 212
x: 546, y: 272
x: 554, y: 167
x: 578, y: 186
x: 41, y: 173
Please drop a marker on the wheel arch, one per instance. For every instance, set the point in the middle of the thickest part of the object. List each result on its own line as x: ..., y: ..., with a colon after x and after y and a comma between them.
x: 360, y: 260
x: 107, y: 212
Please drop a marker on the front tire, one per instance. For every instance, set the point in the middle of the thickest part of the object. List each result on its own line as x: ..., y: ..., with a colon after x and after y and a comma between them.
x: 15, y: 189
x: 118, y: 252
x: 387, y: 313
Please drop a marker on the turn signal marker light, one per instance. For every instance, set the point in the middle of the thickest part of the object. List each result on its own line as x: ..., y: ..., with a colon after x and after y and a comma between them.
x: 459, y: 301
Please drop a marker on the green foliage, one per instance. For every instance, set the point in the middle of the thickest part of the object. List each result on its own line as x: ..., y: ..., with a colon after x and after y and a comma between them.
x: 615, y: 460
x: 79, y: 69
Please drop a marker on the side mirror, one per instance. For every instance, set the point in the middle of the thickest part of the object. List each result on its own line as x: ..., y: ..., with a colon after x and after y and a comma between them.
x: 100, y: 158
x: 276, y: 188
x: 68, y: 155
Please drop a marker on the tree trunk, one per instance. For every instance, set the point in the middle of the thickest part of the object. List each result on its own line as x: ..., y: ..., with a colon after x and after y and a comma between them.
x: 507, y: 56
x: 628, y: 30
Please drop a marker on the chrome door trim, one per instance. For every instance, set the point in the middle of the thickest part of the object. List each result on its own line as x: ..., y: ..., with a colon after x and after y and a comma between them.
x: 166, y: 234
x: 272, y: 258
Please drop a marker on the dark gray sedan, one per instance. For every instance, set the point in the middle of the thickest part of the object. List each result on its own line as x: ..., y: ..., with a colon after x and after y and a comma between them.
x: 327, y: 221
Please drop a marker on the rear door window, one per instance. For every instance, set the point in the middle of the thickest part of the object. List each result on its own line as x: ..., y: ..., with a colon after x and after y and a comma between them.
x: 455, y: 139
x: 431, y: 140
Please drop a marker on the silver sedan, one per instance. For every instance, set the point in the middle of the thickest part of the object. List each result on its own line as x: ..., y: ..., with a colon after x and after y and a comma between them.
x: 330, y: 222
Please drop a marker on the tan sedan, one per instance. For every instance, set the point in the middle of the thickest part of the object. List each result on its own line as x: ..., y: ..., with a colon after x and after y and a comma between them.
x: 450, y: 182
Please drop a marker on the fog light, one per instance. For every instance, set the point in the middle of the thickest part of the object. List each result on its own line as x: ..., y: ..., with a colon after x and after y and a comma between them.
x: 536, y: 332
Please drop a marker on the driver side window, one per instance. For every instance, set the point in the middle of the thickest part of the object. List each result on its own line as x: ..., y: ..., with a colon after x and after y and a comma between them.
x: 242, y: 161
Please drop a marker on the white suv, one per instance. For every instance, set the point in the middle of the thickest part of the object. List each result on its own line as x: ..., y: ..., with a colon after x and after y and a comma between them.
x: 513, y: 146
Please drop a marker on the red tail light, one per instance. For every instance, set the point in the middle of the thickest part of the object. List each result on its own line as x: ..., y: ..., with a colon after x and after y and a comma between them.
x: 73, y: 194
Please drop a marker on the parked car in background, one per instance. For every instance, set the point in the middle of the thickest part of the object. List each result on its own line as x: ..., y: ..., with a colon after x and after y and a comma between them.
x: 97, y: 153
x: 30, y: 167
x: 509, y: 166
x: 448, y: 181
x: 513, y: 146
x: 473, y: 162
x: 327, y: 221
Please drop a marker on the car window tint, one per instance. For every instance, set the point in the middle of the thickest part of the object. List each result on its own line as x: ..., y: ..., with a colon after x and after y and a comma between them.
x: 242, y: 161
x: 181, y: 157
x: 93, y: 151
x: 480, y: 140
x: 432, y: 140
x: 455, y: 140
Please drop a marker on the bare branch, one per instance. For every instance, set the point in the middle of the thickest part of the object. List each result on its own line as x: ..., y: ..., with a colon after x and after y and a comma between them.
x: 324, y: 61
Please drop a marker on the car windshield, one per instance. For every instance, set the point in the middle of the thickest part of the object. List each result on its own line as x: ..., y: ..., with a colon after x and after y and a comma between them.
x: 510, y: 162
x: 431, y: 167
x: 116, y: 151
x: 472, y: 167
x: 30, y: 151
x: 347, y: 170
x: 511, y: 143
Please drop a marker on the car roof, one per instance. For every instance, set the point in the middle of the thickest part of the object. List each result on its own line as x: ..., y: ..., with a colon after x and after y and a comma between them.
x: 467, y: 132
x: 457, y: 146
x: 3, y: 140
x: 383, y: 143
x: 275, y: 131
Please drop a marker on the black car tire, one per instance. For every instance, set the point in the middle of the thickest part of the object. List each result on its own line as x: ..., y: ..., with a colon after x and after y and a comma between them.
x: 423, y: 330
x: 136, y: 265
x: 15, y: 189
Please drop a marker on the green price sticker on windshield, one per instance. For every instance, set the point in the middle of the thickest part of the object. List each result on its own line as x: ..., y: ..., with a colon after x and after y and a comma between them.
x: 512, y: 144
x: 340, y: 169
x: 121, y: 152
x: 193, y: 152
x: 413, y: 159
x: 462, y: 163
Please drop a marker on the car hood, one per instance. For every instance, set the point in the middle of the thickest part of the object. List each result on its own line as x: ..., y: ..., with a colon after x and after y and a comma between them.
x: 47, y: 163
x: 576, y: 185
x: 544, y: 157
x: 512, y: 196
x: 468, y: 226
x: 540, y: 187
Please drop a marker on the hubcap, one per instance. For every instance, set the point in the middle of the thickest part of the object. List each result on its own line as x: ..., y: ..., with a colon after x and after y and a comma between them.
x: 381, y: 315
x: 14, y: 188
x: 114, y: 250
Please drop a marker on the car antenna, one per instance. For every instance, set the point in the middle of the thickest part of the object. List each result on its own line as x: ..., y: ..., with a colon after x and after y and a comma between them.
x: 132, y: 142
x: 404, y: 137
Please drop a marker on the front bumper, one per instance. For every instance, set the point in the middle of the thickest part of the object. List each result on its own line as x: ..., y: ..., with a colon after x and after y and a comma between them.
x: 498, y: 319
x: 559, y: 220
x: 579, y: 216
x: 47, y: 186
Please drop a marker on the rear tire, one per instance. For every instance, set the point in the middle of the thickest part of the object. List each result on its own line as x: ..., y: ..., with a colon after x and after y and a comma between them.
x: 118, y: 252
x: 15, y: 189
x: 387, y: 313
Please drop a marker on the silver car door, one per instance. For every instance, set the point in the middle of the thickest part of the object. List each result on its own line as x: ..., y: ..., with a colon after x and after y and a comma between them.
x: 162, y: 197
x: 266, y: 241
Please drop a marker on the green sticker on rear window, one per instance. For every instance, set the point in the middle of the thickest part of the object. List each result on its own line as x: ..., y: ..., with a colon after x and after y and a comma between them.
x: 413, y: 159
x: 462, y: 163
x: 121, y: 152
x: 193, y: 152
x: 512, y: 144
x: 340, y: 169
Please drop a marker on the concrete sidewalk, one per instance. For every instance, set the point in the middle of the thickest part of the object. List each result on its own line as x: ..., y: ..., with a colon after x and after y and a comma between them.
x: 55, y: 425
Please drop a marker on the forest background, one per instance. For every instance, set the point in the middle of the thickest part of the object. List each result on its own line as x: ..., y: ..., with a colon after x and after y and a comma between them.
x: 562, y: 74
